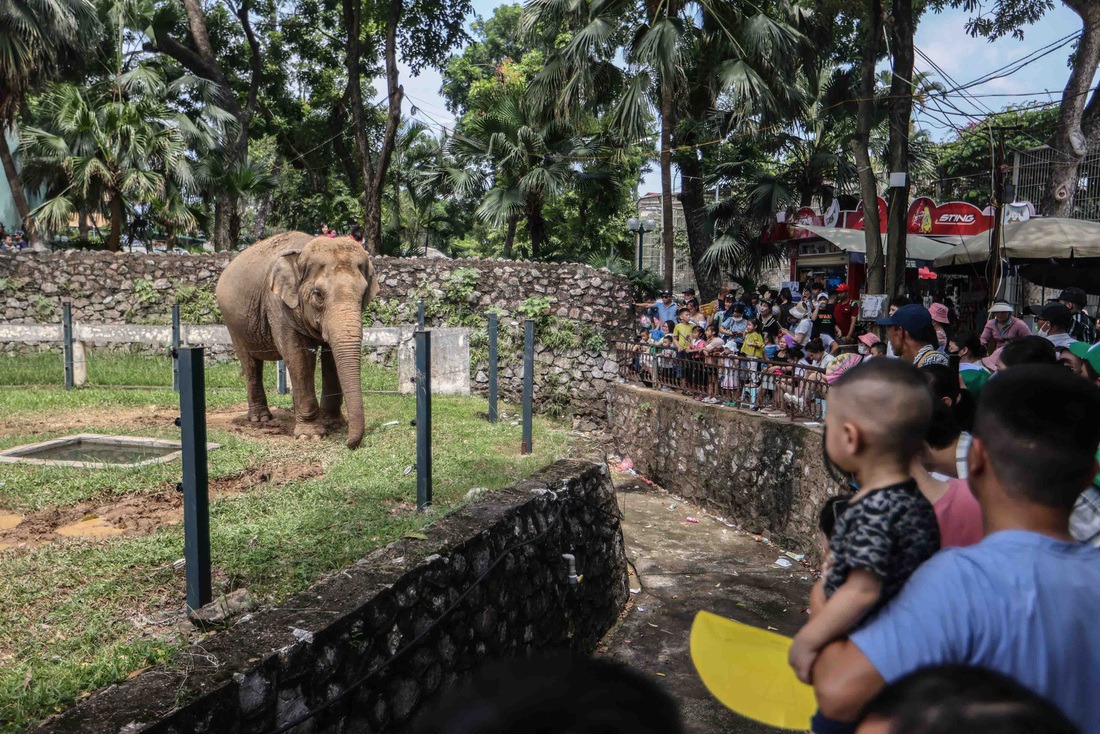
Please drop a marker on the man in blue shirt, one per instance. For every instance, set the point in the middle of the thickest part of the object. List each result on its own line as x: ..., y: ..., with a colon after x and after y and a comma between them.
x: 1024, y: 601
x: 666, y: 308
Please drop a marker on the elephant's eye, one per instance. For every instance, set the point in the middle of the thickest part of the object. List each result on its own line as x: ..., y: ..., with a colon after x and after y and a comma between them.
x: 317, y: 295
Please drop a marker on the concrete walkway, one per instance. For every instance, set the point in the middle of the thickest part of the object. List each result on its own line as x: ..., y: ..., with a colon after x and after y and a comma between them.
x: 684, y: 567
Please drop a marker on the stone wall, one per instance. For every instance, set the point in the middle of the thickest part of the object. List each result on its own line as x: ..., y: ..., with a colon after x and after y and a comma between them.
x: 388, y: 633
x: 764, y: 473
x: 580, y: 309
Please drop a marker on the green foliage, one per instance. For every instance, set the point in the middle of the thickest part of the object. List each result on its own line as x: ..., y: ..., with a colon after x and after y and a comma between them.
x: 536, y: 307
x: 965, y: 161
x: 198, y: 305
x: 43, y: 309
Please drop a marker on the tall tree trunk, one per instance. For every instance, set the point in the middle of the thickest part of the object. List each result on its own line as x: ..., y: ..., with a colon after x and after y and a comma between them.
x: 860, y: 145
x: 510, y: 236
x: 222, y: 238
x: 114, y: 239
x: 900, y: 117
x: 536, y: 228
x: 234, y: 217
x: 18, y: 195
x: 221, y: 227
x: 202, y: 61
x: 1077, y: 126
x: 82, y: 225
x: 668, y: 236
x: 699, y: 229
x: 262, y: 212
x: 374, y: 170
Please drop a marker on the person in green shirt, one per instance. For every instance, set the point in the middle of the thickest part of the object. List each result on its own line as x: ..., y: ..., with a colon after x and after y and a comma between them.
x: 682, y: 332
x: 967, y: 346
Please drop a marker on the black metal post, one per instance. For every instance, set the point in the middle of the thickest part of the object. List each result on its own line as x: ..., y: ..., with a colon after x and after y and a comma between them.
x: 420, y: 314
x: 280, y: 377
x: 67, y: 338
x: 423, y: 344
x: 196, y: 503
x: 528, y: 382
x: 175, y: 346
x: 493, y: 327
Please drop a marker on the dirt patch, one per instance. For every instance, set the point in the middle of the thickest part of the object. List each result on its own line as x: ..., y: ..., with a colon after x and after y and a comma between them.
x: 34, y: 424
x: 140, y: 514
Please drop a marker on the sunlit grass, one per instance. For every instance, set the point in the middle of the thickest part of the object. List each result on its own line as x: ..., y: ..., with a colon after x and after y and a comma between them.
x: 76, y: 615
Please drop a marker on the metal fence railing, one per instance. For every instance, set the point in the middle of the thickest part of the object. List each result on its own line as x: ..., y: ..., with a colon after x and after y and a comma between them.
x: 797, y: 391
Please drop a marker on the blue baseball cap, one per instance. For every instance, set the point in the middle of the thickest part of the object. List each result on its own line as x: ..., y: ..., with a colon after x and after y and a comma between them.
x: 914, y: 318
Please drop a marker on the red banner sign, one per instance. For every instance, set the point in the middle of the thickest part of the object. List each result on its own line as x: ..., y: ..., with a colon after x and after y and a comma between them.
x: 854, y: 219
x: 954, y: 218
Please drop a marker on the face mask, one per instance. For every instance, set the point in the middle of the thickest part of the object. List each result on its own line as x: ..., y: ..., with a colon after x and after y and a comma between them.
x: 1044, y: 331
x: 862, y: 350
x: 738, y: 318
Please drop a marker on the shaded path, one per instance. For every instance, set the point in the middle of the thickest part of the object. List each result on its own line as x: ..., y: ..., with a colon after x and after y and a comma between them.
x: 685, y: 567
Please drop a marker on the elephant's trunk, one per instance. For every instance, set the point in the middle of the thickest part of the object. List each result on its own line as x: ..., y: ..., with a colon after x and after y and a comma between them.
x: 346, y: 340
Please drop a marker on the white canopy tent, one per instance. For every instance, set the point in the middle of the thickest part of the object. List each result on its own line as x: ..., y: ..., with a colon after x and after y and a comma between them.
x: 917, y: 247
x: 1035, y: 239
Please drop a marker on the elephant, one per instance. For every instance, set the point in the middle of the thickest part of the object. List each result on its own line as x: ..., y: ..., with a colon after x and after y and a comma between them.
x: 289, y: 297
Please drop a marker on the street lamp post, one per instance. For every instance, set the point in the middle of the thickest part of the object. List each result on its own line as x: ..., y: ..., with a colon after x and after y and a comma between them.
x: 640, y: 227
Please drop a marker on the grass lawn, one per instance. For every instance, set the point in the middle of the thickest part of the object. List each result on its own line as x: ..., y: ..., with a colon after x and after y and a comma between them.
x: 77, y: 614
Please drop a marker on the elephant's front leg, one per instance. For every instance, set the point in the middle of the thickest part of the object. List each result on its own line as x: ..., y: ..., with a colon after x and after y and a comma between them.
x: 331, y: 394
x: 302, y: 365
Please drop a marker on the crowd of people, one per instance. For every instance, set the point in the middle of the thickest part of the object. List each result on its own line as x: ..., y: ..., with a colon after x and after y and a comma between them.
x: 13, y: 242
x: 970, y: 534
x: 756, y: 350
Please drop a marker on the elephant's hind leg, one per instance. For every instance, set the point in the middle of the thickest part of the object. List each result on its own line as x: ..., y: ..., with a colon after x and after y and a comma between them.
x: 253, y: 369
x: 331, y: 395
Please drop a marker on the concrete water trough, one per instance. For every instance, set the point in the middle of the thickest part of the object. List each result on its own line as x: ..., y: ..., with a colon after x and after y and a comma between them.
x: 95, y: 451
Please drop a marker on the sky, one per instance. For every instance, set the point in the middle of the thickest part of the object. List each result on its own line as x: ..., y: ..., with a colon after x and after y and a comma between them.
x: 941, y: 37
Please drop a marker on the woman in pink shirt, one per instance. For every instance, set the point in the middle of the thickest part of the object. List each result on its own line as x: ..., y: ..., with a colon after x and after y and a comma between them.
x: 1002, y: 328
x: 957, y: 511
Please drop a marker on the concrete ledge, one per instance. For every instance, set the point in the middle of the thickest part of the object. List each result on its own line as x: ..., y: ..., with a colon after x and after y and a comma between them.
x: 764, y: 473
x: 30, y: 333
x: 395, y: 628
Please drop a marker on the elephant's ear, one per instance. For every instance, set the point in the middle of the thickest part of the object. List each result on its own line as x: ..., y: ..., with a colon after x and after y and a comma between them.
x: 285, y: 277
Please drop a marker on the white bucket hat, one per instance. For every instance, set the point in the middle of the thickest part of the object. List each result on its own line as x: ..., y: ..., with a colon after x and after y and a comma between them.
x: 798, y: 312
x: 1000, y: 307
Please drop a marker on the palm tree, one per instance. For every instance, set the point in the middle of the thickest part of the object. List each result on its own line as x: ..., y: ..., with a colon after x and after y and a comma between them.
x: 529, y: 163
x: 40, y: 40
x: 119, y: 140
x: 681, y: 55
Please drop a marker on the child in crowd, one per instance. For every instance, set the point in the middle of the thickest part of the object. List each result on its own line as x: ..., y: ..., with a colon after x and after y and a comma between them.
x: 666, y: 362
x: 770, y: 347
x: 878, y: 349
x: 712, y: 351
x: 656, y: 332
x: 753, y: 346
x: 682, y: 331
x: 888, y: 528
x: 696, y: 353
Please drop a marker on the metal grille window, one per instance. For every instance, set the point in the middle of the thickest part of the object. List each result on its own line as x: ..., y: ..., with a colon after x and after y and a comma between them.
x: 1031, y: 176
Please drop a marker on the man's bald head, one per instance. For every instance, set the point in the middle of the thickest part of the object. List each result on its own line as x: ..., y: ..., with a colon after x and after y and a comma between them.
x: 890, y: 402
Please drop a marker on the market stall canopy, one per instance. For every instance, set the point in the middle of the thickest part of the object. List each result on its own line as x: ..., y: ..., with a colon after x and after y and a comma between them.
x: 917, y: 247
x: 1035, y: 239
